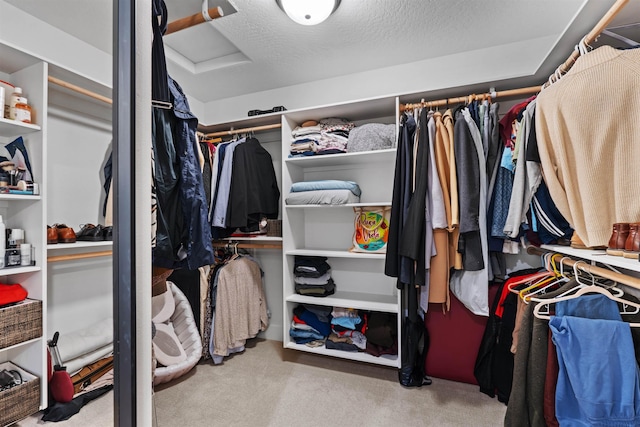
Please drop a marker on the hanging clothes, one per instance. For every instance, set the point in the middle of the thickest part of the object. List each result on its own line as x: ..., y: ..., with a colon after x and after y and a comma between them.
x: 471, y: 286
x: 585, y: 160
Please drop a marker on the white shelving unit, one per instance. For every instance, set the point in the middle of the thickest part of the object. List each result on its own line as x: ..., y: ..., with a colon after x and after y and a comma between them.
x: 327, y: 230
x: 26, y: 211
x: 100, y: 245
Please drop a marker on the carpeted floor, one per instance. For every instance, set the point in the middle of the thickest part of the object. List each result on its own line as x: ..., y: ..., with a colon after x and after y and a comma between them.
x: 269, y: 386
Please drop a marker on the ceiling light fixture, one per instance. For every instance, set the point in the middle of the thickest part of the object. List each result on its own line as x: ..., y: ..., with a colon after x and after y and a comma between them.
x: 308, y: 12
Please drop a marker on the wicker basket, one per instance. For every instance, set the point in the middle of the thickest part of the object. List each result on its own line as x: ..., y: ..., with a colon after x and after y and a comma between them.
x: 20, y: 401
x: 20, y: 322
x: 274, y: 227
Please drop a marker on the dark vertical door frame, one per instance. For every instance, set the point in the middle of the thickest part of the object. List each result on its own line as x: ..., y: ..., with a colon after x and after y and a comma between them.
x: 124, y: 257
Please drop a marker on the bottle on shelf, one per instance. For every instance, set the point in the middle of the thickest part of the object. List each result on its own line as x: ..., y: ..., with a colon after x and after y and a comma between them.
x: 23, y: 111
x: 16, y: 97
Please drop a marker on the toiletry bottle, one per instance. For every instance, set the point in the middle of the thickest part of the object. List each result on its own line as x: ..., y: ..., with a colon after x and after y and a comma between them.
x: 16, y: 97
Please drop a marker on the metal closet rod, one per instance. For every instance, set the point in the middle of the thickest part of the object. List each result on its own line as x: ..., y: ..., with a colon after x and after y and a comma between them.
x: 58, y: 258
x: 256, y: 245
x: 531, y: 90
x: 634, y: 282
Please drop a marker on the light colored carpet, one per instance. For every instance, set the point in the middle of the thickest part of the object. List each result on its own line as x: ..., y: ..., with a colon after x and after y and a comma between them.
x: 269, y: 386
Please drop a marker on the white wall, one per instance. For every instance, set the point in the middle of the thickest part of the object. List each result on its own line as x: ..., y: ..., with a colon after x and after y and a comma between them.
x: 463, y: 69
x: 23, y: 31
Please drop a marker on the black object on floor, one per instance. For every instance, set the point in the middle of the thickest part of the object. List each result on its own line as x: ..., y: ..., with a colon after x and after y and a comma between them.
x: 63, y: 411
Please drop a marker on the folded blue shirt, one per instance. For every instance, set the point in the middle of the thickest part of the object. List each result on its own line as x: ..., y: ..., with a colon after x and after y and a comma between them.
x: 327, y: 184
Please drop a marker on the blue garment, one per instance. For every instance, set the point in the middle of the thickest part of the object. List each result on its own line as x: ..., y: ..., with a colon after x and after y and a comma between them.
x: 346, y: 322
x: 192, y: 246
x: 551, y: 223
x: 224, y: 186
x: 502, y: 195
x: 326, y: 184
x: 302, y: 336
x: 598, y: 381
x: 593, y: 306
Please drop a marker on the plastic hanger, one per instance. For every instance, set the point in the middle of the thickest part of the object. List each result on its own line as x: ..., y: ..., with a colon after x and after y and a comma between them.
x: 560, y: 278
x: 584, y: 289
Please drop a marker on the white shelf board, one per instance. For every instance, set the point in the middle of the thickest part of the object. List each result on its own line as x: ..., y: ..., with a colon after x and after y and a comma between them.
x: 334, y: 254
x: 29, y: 197
x: 357, y: 300
x: 346, y: 159
x: 600, y: 256
x: 11, y: 128
x: 347, y: 205
x: 253, y: 239
x: 79, y: 245
x: 19, y: 270
x: 24, y: 343
x: 385, y: 360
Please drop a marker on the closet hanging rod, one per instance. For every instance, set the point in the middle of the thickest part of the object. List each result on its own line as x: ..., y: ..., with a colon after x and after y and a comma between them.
x: 79, y: 89
x: 245, y: 130
x: 58, y: 258
x: 531, y: 90
x: 196, y: 19
x: 255, y: 245
x: 634, y: 282
x: 591, y: 37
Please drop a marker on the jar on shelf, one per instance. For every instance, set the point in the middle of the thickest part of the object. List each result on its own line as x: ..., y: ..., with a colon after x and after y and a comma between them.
x: 15, y: 98
x: 23, y: 111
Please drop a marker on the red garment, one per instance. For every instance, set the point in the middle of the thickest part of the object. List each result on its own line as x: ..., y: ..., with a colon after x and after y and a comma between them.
x: 550, y: 381
x: 506, y: 123
x: 505, y: 292
x: 296, y: 319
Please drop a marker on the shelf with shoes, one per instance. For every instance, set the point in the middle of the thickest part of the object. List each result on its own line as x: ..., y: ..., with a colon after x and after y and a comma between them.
x: 27, y: 212
x: 596, y: 256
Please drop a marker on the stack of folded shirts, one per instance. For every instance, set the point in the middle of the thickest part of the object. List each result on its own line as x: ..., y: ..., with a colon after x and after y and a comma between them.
x: 347, y: 330
x: 312, y: 276
x: 382, y: 334
x: 310, y: 324
x: 334, y: 135
x: 324, y: 192
x: 305, y: 139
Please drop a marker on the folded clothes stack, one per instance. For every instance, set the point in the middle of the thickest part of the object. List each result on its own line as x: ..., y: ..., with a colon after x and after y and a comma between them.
x: 324, y: 192
x: 347, y: 330
x: 329, y: 136
x: 311, y: 324
x: 312, y: 276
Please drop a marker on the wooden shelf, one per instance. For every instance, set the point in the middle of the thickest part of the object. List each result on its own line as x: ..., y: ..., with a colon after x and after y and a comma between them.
x: 357, y: 300
x: 346, y: 159
x: 11, y: 128
x: 600, y: 256
x: 385, y: 360
x: 334, y: 254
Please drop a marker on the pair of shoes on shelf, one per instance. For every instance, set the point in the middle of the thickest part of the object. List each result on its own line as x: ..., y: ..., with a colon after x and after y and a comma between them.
x: 577, y: 243
x: 60, y: 233
x: 625, y: 240
x: 95, y: 233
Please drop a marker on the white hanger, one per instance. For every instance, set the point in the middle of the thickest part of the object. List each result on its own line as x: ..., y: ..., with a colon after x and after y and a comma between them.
x: 584, y: 289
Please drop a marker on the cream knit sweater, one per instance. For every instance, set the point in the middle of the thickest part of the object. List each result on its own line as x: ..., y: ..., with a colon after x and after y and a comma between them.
x: 588, y: 130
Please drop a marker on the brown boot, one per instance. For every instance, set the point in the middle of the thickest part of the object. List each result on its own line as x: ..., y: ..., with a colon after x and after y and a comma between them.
x: 632, y: 244
x: 618, y: 238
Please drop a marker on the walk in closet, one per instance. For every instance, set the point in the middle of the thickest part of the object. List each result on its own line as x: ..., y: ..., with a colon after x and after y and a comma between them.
x: 239, y: 93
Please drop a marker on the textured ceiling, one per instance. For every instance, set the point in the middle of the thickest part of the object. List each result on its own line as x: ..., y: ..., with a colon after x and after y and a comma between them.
x: 258, y: 48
